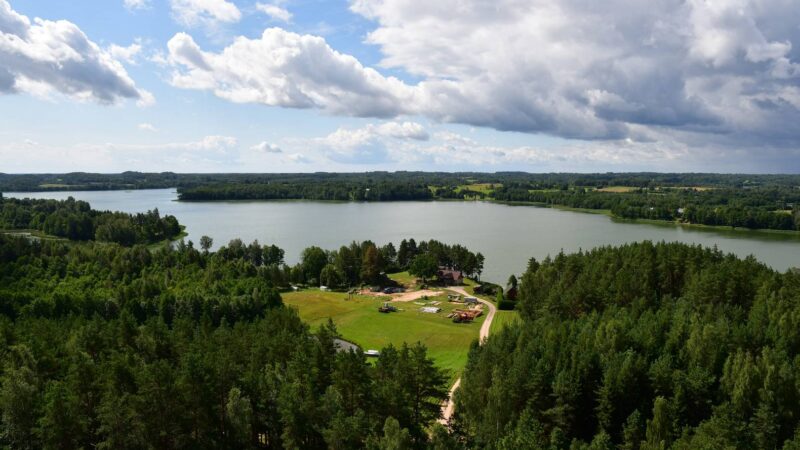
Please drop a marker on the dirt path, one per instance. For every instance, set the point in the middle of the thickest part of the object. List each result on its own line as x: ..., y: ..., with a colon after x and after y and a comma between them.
x: 404, y: 297
x: 448, y: 407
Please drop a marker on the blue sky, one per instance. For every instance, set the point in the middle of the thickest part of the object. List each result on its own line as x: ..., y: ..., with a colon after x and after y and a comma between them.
x: 305, y: 85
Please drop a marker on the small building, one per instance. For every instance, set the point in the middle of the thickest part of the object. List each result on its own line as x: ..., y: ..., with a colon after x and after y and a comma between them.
x: 471, y: 300
x: 344, y: 346
x: 450, y: 277
x: 511, y: 293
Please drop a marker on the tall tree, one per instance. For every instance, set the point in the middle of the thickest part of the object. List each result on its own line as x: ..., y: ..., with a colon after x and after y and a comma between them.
x: 370, y: 267
x: 424, y: 266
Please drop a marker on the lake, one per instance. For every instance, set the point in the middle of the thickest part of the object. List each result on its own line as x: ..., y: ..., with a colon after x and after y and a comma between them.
x: 507, y: 235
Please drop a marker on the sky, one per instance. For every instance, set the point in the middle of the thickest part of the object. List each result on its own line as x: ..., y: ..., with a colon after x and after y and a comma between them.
x: 363, y: 85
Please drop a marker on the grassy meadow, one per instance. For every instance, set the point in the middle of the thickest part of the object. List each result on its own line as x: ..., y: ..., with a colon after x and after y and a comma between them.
x: 502, y: 319
x: 359, y: 321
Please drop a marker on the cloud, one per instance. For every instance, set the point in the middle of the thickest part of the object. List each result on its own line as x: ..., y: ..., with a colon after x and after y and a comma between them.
x: 286, y: 69
x: 206, y: 154
x: 275, y: 12
x: 43, y: 57
x: 370, y: 143
x: 298, y: 158
x: 146, y: 99
x: 401, y: 130
x: 127, y: 54
x: 133, y: 5
x: 725, y: 71
x: 581, y: 70
x: 147, y: 127
x: 266, y: 147
x: 344, y: 137
x: 208, y: 13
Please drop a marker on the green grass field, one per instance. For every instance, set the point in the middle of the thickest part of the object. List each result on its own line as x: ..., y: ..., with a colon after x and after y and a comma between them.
x: 618, y: 189
x: 404, y: 278
x: 502, y: 319
x: 485, y: 188
x: 359, y: 321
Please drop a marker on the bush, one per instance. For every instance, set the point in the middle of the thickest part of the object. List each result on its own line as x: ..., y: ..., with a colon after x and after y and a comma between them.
x: 506, y: 305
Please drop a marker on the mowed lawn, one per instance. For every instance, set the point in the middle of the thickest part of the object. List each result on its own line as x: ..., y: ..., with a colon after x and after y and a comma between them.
x: 359, y: 321
x: 404, y: 278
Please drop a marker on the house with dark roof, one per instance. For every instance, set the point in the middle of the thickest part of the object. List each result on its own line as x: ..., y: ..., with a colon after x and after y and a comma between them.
x: 450, y: 277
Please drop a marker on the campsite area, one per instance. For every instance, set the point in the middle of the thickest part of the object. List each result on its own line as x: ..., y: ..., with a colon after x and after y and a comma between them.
x: 358, y: 320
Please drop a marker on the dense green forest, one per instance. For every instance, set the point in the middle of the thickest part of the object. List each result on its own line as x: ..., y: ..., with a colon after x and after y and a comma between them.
x: 366, y: 264
x: 323, y: 190
x: 76, y: 220
x: 769, y: 207
x: 126, y: 348
x: 644, y: 346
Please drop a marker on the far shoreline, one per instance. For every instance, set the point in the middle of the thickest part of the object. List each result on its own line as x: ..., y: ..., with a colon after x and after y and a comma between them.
x: 758, y: 232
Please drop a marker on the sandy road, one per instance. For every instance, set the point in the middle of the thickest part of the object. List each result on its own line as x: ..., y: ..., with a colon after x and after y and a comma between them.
x: 404, y: 297
x: 448, y: 407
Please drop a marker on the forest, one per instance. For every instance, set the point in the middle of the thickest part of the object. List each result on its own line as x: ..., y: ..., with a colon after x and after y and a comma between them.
x: 75, y: 220
x: 127, y: 347
x: 643, y: 346
x: 775, y: 207
x: 355, y: 190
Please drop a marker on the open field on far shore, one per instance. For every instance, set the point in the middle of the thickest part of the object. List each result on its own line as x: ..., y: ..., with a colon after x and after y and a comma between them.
x: 480, y: 187
x: 359, y: 321
x: 618, y: 189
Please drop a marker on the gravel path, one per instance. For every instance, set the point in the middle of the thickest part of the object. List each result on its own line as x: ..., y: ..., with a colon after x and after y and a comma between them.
x: 448, y: 407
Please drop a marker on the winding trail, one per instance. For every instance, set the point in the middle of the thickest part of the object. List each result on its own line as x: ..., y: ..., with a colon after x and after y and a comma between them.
x: 449, y: 406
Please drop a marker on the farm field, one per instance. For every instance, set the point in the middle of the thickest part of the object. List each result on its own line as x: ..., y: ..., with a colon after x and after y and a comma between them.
x: 359, y: 321
x: 484, y: 188
x: 618, y: 189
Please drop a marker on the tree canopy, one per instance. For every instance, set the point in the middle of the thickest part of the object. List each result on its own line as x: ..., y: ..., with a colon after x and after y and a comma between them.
x: 643, y: 346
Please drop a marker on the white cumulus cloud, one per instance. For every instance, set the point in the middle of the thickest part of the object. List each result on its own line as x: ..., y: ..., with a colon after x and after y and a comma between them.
x: 275, y: 12
x: 42, y: 57
x: 193, y: 13
x: 127, y: 54
x: 266, y: 147
x: 133, y: 5
x: 147, y: 127
x: 728, y: 71
x: 282, y: 68
x: 371, y: 143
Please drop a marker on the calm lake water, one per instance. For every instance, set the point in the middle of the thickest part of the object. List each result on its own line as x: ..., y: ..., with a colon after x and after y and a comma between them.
x: 507, y: 235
